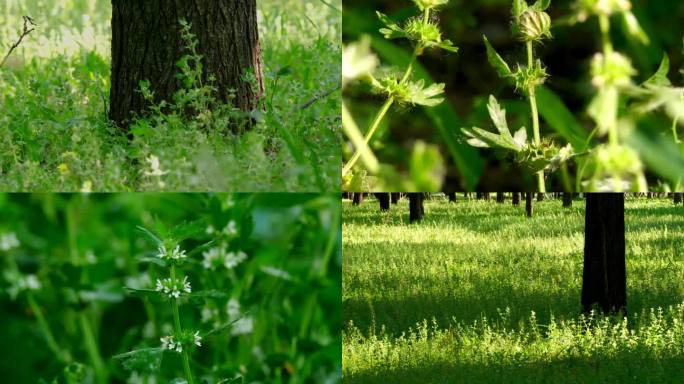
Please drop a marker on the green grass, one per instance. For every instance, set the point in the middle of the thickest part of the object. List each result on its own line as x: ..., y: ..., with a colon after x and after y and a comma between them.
x: 54, y: 134
x: 479, y: 293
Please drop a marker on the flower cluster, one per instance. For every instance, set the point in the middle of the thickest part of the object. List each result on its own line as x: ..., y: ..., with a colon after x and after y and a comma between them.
x: 173, y: 287
x: 176, y: 253
x: 218, y: 256
x: 22, y: 283
x: 8, y: 241
x: 172, y: 343
x: 230, y: 230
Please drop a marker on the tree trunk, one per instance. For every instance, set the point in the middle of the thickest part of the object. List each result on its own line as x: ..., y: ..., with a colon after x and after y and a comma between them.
x: 678, y: 198
x: 516, y: 199
x: 540, y: 196
x: 604, y: 282
x: 500, y: 197
x: 416, y: 209
x: 528, y: 204
x: 395, y: 197
x: 452, y: 197
x: 147, y: 44
x: 567, y: 199
x: 384, y: 199
x: 358, y: 198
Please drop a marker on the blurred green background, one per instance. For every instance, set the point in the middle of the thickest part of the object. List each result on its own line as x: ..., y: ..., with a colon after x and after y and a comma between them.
x: 84, y: 249
x: 470, y: 79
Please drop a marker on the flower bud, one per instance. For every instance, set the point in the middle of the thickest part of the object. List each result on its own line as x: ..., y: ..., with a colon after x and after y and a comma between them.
x: 534, y: 25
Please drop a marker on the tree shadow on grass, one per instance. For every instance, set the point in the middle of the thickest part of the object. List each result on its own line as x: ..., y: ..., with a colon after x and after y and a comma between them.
x: 624, y: 368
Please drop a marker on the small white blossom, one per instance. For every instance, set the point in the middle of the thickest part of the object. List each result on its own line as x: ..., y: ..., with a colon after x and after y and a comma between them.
x: 197, y: 339
x: 212, y: 256
x: 230, y: 229
x: 209, y: 313
x: 155, y: 169
x: 8, y: 241
x: 22, y: 283
x: 170, y: 343
x: 210, y: 229
x: 173, y: 288
x: 232, y: 259
x: 175, y: 254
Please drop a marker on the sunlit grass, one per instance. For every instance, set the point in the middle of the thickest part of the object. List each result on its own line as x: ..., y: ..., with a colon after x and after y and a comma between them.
x: 415, y: 296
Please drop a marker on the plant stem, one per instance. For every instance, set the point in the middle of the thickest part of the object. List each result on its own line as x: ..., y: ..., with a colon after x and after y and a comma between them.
x: 535, y: 115
x: 91, y: 348
x: 376, y: 123
x: 179, y: 330
x: 42, y: 323
x: 607, y: 47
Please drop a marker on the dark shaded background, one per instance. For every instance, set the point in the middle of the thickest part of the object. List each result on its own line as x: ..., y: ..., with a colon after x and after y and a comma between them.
x: 470, y: 79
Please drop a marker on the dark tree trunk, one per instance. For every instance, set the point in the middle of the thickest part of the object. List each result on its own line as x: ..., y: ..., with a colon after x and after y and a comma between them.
x: 567, y: 199
x: 147, y: 44
x: 452, y: 197
x: 500, y: 197
x: 604, y: 282
x: 416, y: 210
x: 358, y: 198
x: 528, y: 204
x: 516, y: 199
x: 395, y: 197
x: 540, y: 196
x: 384, y: 199
x: 678, y: 198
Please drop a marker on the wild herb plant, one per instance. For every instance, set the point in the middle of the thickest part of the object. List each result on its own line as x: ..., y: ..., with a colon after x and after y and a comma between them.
x: 397, y: 87
x: 531, y: 25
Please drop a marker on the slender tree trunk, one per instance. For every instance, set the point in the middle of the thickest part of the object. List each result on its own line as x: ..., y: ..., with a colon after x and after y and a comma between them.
x: 147, y: 44
x: 516, y: 199
x: 358, y: 198
x: 452, y: 197
x: 540, y: 196
x: 384, y: 200
x: 395, y: 197
x: 567, y: 199
x: 416, y: 209
x: 528, y: 204
x: 500, y: 197
x: 677, y: 198
x: 604, y: 282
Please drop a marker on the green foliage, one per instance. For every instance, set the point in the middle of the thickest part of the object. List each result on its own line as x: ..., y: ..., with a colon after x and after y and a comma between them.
x: 479, y: 293
x: 54, y: 134
x: 257, y: 279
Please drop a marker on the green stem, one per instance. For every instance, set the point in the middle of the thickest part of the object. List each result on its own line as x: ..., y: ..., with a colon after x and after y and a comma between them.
x: 93, y: 351
x: 376, y: 123
x: 535, y: 115
x: 354, y: 134
x: 607, y: 47
x: 42, y: 323
x: 179, y: 331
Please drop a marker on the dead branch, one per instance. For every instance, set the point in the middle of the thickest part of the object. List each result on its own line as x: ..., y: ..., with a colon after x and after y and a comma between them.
x: 29, y: 26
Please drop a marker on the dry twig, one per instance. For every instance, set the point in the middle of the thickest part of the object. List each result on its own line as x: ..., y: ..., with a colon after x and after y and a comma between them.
x: 29, y: 26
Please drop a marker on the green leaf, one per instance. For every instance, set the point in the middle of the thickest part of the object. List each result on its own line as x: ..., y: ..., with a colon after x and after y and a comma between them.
x: 426, y: 167
x: 447, y: 45
x: 519, y: 7
x: 425, y: 96
x: 498, y: 116
x: 660, y: 77
x: 604, y: 107
x: 541, y: 5
x: 558, y: 116
x: 149, y: 234
x: 661, y: 155
x: 496, y: 61
x: 146, y: 360
x: 393, y: 30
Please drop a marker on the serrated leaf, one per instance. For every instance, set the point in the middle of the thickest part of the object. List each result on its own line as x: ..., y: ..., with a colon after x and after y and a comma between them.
x: 498, y: 116
x: 496, y: 61
x: 149, y: 234
x: 520, y: 137
x: 393, y: 30
x: 486, y: 139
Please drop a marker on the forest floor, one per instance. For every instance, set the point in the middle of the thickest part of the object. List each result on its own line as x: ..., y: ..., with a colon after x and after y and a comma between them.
x: 477, y: 292
x: 54, y: 134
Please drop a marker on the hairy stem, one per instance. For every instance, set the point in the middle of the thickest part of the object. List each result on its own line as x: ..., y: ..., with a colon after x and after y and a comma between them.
x: 535, y: 115
x: 354, y: 134
x: 607, y: 47
x: 179, y: 330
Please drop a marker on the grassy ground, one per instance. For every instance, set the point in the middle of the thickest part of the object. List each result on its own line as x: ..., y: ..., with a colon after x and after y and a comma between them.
x: 54, y: 135
x: 479, y: 293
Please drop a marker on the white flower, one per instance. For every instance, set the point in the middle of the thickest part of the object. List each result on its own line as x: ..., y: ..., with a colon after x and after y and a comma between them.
x: 233, y: 309
x: 186, y: 285
x: 155, y: 169
x: 243, y: 326
x: 8, y: 241
x: 211, y: 257
x: 230, y: 229
x: 31, y: 282
x: 197, y: 339
x: 208, y: 314
x: 168, y: 342
x: 210, y: 229
x: 22, y: 283
x: 176, y: 253
x: 173, y: 288
x: 233, y: 259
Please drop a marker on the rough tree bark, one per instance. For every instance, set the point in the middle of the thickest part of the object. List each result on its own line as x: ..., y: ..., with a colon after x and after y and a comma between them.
x: 500, y: 197
x: 416, y: 209
x: 540, y: 196
x: 567, y: 199
x: 452, y: 197
x: 358, y: 198
x: 394, y: 196
x: 147, y: 44
x: 604, y: 282
x: 516, y: 199
x: 677, y: 198
x: 528, y: 204
x: 384, y: 200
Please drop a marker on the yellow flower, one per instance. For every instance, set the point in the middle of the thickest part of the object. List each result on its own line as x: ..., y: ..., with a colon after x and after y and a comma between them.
x: 63, y: 169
